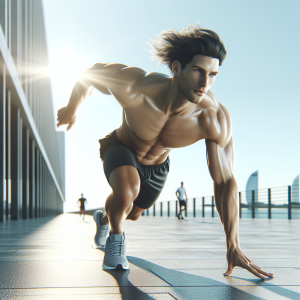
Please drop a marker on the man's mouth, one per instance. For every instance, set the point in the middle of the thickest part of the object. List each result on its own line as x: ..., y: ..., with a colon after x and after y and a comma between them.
x: 200, y: 93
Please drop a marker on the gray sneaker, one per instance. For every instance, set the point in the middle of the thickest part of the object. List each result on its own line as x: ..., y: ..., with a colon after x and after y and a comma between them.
x: 101, y: 230
x: 115, y: 253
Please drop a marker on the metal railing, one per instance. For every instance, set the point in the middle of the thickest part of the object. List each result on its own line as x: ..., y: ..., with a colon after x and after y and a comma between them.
x: 278, y: 203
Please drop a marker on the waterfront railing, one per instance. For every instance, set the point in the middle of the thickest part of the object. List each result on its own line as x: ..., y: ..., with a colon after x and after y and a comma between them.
x: 278, y: 203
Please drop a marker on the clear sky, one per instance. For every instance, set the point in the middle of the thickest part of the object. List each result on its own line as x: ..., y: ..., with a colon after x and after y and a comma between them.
x: 258, y: 83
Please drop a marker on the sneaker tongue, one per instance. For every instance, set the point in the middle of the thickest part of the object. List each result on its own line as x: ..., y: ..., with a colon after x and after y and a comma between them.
x: 116, y: 237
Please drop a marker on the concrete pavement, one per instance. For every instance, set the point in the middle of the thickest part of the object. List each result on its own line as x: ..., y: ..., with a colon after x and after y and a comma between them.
x: 55, y: 258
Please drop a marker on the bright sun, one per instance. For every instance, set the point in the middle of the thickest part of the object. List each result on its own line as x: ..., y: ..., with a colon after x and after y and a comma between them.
x: 66, y: 67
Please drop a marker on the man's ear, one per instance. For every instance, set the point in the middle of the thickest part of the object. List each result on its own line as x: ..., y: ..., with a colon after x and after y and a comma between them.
x: 176, y: 68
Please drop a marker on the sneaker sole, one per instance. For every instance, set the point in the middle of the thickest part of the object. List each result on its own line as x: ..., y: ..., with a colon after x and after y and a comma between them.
x: 118, y: 267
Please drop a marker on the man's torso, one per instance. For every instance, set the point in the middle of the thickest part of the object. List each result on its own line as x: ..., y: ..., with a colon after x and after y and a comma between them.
x: 181, y: 192
x: 82, y: 202
x: 152, y: 125
x: 152, y: 131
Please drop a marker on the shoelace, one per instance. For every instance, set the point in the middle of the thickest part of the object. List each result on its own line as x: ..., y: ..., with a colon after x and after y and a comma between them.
x: 116, y: 248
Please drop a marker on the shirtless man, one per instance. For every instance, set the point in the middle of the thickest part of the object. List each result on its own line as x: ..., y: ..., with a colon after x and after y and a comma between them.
x: 161, y: 113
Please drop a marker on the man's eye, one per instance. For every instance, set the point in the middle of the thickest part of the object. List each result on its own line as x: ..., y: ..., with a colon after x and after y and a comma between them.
x: 213, y: 74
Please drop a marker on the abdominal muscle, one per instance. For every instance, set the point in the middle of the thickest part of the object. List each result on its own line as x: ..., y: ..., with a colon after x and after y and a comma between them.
x: 151, y: 152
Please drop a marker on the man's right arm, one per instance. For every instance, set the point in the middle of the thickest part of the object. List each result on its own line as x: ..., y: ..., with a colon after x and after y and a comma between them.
x: 116, y: 79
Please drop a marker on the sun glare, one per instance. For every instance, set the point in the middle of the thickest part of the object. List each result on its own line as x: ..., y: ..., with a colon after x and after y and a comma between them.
x: 67, y: 67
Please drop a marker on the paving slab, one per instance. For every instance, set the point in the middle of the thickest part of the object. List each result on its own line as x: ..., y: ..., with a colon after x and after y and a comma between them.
x: 55, y: 258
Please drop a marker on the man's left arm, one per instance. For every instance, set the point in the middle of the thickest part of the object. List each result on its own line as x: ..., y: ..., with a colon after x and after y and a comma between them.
x: 220, y: 160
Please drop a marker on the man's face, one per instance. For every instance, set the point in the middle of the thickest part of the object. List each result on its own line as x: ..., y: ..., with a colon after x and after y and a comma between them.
x: 197, y: 77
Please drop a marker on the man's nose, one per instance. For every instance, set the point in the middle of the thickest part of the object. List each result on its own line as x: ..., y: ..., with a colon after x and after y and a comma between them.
x: 204, y: 81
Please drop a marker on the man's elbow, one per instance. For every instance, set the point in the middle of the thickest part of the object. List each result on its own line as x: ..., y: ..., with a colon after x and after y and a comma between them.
x: 230, y: 183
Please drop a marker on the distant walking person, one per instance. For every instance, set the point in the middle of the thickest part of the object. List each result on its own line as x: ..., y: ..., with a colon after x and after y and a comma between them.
x: 82, y: 205
x: 181, y: 194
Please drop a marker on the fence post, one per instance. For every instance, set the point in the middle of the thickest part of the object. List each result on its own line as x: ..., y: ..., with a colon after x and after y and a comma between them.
x: 253, y: 204
x: 269, y: 204
x: 203, y: 206
x: 212, y: 207
x: 240, y: 203
x: 194, y: 207
x: 168, y: 208
x: 154, y: 210
x: 289, y: 203
x: 186, y: 208
x: 176, y: 210
x: 161, y: 209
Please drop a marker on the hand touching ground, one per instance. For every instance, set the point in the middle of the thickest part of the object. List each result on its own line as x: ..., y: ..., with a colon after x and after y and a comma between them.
x: 237, y: 258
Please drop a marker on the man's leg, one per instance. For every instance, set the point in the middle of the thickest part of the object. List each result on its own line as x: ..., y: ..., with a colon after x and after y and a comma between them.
x: 125, y: 184
x: 182, y: 208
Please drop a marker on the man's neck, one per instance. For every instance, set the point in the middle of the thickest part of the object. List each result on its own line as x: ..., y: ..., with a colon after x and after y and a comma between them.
x: 175, y: 101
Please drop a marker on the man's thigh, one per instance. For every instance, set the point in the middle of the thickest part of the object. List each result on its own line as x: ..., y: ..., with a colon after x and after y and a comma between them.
x: 125, y: 182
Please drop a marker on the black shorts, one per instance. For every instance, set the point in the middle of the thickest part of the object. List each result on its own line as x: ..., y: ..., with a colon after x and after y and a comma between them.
x: 114, y: 154
x: 182, y: 203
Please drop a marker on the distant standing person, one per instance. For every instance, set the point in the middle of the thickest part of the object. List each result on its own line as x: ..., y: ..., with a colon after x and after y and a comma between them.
x: 181, y: 194
x: 82, y: 205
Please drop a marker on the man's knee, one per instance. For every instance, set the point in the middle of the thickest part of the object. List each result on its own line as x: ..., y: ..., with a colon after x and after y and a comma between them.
x: 133, y: 218
x: 126, y: 197
x: 135, y: 213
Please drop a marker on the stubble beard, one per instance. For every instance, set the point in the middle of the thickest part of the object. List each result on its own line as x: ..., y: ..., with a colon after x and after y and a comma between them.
x: 187, y: 92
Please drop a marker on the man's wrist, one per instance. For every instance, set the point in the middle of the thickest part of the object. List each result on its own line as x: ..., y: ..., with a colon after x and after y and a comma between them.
x: 232, y: 243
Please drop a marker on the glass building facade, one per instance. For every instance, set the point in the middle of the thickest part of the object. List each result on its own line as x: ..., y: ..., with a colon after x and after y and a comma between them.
x: 31, y: 151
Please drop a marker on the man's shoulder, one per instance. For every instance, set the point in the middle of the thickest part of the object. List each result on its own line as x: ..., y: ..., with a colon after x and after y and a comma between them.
x: 139, y: 74
x: 215, y: 120
x: 210, y: 101
x: 132, y: 83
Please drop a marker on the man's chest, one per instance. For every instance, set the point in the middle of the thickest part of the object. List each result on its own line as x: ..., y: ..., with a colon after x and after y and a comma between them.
x: 149, y: 124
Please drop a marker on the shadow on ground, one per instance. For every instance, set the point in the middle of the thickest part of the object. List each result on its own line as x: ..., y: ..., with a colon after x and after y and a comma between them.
x: 12, y: 232
x: 189, y: 286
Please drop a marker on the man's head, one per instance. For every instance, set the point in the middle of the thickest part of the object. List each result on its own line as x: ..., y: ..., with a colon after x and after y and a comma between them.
x: 81, y: 195
x: 182, y: 184
x: 182, y: 46
x: 193, y: 55
x: 194, y: 81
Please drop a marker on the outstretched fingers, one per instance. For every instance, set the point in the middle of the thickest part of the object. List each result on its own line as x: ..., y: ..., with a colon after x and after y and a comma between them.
x: 260, y: 270
x: 254, y: 272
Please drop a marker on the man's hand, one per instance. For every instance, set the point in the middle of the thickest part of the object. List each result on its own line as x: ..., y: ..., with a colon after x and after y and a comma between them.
x: 237, y: 258
x: 66, y: 116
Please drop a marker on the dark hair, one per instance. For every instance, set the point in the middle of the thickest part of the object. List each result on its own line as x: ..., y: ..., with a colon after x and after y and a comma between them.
x: 172, y: 45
